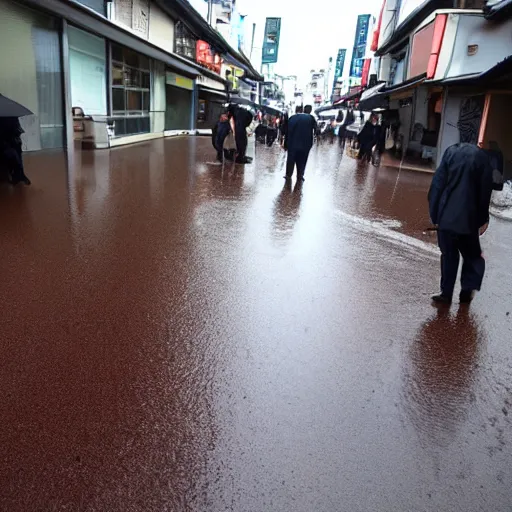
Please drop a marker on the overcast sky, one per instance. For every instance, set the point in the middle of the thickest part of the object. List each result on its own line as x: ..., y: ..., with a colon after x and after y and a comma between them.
x: 309, y: 35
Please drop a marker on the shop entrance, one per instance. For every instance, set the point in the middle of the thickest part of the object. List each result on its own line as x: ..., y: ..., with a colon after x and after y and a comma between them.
x: 179, y: 100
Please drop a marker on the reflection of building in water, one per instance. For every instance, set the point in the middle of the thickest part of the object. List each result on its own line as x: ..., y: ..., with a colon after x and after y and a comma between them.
x: 440, y: 374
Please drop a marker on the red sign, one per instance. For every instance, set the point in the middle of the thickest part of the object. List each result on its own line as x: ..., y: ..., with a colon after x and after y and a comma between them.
x: 207, y: 57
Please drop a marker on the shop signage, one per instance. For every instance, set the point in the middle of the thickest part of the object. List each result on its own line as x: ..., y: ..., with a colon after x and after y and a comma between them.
x: 362, y: 28
x: 472, y: 49
x: 271, y: 40
x: 179, y: 81
x: 210, y: 83
x: 338, y: 70
x: 207, y: 57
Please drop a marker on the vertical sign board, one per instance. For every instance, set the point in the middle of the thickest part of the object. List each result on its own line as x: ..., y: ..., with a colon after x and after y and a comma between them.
x: 271, y: 41
x: 340, y: 64
x: 357, y: 62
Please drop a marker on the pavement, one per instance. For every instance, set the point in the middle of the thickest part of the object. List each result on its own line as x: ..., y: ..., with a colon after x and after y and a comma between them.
x: 182, y: 336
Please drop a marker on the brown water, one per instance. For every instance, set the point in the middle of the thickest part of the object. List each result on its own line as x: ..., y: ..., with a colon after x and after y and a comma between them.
x: 178, y: 336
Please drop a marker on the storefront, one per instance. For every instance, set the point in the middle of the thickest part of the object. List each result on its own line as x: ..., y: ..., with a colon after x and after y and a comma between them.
x: 212, y: 97
x: 31, y: 74
x: 88, y: 72
x: 179, y: 95
x: 131, y: 91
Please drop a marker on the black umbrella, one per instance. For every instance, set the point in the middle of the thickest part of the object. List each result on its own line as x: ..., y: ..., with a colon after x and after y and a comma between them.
x: 9, y: 108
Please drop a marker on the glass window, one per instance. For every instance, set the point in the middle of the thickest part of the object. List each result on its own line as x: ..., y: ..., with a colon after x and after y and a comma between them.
x: 131, y: 82
x: 145, y: 101
x: 31, y: 74
x: 117, y: 53
x: 131, y: 77
x: 88, y: 72
x: 118, y: 100
x: 145, y: 80
x: 117, y: 74
x: 133, y: 100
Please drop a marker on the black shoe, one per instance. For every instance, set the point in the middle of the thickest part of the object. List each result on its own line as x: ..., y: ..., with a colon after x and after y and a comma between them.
x: 466, y: 296
x: 441, y: 299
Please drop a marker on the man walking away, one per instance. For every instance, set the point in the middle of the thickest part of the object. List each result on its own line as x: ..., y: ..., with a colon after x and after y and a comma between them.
x: 459, y: 206
x: 240, y: 120
x: 299, y: 141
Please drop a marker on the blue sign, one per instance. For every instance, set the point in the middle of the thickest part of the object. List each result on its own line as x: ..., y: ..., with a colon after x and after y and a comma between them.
x: 340, y: 64
x: 356, y: 65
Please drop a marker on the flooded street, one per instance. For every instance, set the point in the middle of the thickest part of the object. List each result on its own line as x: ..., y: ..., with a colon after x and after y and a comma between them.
x: 182, y: 336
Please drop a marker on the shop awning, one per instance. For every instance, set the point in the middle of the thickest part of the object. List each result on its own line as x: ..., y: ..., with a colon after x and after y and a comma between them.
x: 215, y: 93
x: 349, y: 97
x: 498, y: 75
x: 371, y: 99
x: 498, y: 11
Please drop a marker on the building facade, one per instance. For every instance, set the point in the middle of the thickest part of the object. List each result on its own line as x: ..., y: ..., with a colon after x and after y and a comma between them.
x: 436, y: 64
x: 111, y: 72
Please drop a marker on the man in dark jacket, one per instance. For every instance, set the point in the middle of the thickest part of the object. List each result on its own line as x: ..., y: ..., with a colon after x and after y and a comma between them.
x: 240, y: 120
x: 219, y: 134
x: 299, y: 141
x: 459, y: 201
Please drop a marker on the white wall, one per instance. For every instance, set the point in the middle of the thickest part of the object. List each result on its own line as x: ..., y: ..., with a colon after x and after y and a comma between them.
x: 449, y: 132
x: 494, y: 44
x: 407, y: 7
x: 161, y: 29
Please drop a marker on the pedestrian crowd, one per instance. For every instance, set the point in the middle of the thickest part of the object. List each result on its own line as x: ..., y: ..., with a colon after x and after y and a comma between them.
x: 459, y: 197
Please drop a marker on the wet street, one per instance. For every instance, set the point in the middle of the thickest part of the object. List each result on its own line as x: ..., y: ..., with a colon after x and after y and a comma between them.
x: 179, y: 336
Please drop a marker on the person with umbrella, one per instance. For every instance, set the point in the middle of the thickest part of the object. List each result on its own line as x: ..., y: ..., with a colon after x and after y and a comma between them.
x: 10, y: 139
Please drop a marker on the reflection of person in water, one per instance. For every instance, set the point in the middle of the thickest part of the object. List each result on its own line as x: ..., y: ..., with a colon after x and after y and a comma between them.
x: 441, y: 373
x: 286, y: 210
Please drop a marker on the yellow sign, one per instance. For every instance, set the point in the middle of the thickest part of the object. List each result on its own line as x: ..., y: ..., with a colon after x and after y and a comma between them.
x: 179, y: 81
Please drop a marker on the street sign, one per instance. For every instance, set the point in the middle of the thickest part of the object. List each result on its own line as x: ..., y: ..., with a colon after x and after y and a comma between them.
x: 271, y: 41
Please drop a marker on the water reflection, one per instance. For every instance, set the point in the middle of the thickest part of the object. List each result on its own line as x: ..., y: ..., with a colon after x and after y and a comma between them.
x: 441, y: 374
x: 286, y: 210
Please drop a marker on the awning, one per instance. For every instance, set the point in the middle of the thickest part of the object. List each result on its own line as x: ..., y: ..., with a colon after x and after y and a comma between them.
x: 498, y: 11
x: 500, y: 74
x: 218, y: 95
x: 378, y: 97
x: 349, y: 97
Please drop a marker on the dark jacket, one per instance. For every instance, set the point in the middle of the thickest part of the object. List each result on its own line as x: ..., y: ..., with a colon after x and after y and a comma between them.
x: 370, y: 135
x: 301, y: 128
x: 461, y: 189
x: 219, y: 133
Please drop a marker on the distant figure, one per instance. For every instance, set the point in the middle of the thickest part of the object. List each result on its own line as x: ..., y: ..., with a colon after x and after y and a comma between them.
x: 459, y: 201
x: 283, y: 127
x: 219, y: 133
x: 299, y: 141
x: 271, y: 131
x: 349, y: 120
x: 369, y: 137
x: 11, y: 149
x: 240, y: 120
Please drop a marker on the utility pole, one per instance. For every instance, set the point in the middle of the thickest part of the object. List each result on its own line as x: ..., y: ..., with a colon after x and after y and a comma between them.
x: 210, y: 11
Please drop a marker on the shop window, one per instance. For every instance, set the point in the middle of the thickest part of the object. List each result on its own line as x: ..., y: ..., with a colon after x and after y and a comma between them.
x: 31, y: 73
x: 185, y: 42
x: 130, y: 82
x: 88, y: 71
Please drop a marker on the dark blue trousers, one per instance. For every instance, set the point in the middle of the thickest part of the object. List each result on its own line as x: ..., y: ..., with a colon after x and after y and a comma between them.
x: 299, y: 158
x: 453, y: 246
